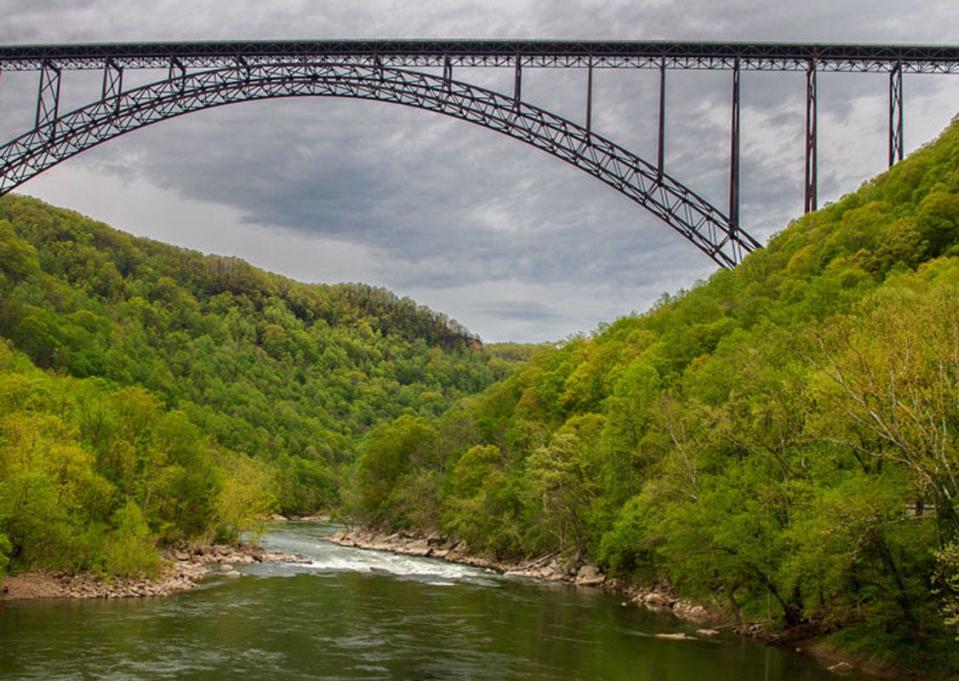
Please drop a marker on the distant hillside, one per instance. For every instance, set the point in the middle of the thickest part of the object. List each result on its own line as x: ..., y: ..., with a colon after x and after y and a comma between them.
x: 288, y: 373
x: 781, y: 442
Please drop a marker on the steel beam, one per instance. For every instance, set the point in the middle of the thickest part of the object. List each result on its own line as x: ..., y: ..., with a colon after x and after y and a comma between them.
x: 895, y: 115
x: 734, y: 155
x: 661, y: 147
x: 48, y: 98
x: 705, y: 226
x: 495, y: 53
x: 242, y: 66
x: 518, y: 79
x: 184, y: 60
x: 112, y: 83
x: 589, y: 100
x: 176, y: 71
x: 810, y: 187
x: 48, y: 95
x: 448, y: 73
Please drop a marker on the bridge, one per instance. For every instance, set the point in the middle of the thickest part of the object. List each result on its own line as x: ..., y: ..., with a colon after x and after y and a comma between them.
x: 420, y: 73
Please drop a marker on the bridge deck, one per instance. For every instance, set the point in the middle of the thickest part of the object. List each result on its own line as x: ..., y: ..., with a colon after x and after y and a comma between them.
x: 494, y: 53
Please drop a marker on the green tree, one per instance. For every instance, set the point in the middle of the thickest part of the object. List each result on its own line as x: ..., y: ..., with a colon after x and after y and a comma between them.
x: 129, y: 549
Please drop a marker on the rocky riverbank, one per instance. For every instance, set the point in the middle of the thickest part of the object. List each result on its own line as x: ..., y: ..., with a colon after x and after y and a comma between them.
x: 183, y: 570
x: 552, y: 568
x: 549, y: 568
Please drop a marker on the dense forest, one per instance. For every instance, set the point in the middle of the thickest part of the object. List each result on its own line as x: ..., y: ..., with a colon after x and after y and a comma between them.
x: 150, y: 393
x: 780, y: 441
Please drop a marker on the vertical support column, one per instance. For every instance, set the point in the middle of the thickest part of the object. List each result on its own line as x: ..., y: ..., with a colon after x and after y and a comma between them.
x: 112, y: 83
x: 48, y: 97
x: 734, y: 153
x: 243, y: 67
x: 661, y: 149
x: 895, y: 115
x: 448, y: 74
x: 811, y: 202
x: 589, y: 98
x: 177, y: 70
x: 518, y: 81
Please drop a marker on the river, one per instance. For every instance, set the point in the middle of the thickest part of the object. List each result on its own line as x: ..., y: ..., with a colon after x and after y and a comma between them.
x: 355, y: 614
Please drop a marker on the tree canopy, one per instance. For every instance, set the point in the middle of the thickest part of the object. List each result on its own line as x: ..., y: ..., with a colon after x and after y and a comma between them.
x: 151, y: 393
x: 780, y: 440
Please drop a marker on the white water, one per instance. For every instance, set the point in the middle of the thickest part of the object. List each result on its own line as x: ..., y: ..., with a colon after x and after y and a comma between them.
x: 350, y: 614
x: 333, y: 558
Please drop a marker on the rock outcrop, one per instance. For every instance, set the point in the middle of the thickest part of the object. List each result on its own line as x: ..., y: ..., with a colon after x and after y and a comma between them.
x: 184, y: 568
x: 548, y: 568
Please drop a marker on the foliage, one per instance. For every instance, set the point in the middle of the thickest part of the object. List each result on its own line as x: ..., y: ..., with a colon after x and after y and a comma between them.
x: 292, y: 374
x: 245, y: 499
x: 129, y: 551
x: 780, y: 440
x: 5, y: 549
x: 152, y: 395
x: 946, y: 580
x: 390, y: 470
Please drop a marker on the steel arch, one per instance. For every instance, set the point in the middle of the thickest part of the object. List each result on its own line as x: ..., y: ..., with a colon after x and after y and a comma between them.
x: 115, y: 114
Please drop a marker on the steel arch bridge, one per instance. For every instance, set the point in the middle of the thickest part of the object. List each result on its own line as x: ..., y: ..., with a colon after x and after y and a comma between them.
x: 205, y: 75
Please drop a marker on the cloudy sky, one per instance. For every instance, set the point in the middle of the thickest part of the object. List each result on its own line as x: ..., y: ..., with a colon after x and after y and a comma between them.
x: 508, y: 240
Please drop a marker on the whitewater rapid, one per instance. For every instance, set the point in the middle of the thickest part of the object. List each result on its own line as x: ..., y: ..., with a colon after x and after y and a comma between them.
x: 325, y: 557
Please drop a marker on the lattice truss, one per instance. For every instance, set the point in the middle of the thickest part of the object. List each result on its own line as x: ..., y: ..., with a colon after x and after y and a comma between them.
x: 60, y: 138
x: 206, y: 75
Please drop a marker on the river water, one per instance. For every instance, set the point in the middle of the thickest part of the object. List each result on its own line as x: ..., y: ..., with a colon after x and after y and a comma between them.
x: 355, y: 614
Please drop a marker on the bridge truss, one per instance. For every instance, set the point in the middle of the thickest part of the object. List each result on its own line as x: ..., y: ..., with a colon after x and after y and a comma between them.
x: 201, y: 75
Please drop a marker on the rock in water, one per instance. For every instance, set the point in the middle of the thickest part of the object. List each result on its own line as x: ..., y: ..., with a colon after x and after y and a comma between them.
x: 589, y: 575
x: 840, y: 668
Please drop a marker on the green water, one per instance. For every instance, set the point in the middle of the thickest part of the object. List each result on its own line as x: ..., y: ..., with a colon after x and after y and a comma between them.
x: 354, y: 614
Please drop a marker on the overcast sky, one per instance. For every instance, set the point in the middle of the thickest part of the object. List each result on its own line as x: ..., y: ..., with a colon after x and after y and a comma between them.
x: 508, y: 240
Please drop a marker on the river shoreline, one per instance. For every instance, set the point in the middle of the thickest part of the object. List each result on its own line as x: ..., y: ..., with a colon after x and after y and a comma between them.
x: 184, y: 569
x: 657, y: 598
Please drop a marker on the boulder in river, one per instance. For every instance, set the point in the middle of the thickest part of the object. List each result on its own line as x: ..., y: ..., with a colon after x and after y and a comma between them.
x: 679, y: 636
x: 589, y: 575
x: 840, y: 668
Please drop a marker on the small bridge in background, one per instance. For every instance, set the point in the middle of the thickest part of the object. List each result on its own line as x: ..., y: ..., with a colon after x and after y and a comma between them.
x: 201, y: 75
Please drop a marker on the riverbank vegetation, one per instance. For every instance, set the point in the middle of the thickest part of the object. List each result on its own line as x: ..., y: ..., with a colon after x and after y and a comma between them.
x: 150, y: 394
x: 780, y: 441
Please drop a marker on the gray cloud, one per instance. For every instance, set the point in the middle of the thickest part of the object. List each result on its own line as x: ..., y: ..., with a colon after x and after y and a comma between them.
x: 529, y: 310
x: 438, y: 209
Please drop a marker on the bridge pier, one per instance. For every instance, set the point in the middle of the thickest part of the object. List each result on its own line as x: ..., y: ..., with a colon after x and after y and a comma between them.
x: 895, y: 115
x: 176, y: 67
x: 448, y: 73
x: 661, y: 149
x: 48, y: 97
x: 112, y: 83
x: 589, y: 99
x: 811, y: 202
x: 734, y: 153
x: 518, y: 80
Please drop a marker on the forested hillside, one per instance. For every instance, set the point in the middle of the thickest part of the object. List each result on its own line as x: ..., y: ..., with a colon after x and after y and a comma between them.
x: 780, y: 441
x: 151, y: 390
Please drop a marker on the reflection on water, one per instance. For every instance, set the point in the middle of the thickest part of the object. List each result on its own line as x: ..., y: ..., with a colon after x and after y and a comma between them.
x: 353, y: 614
